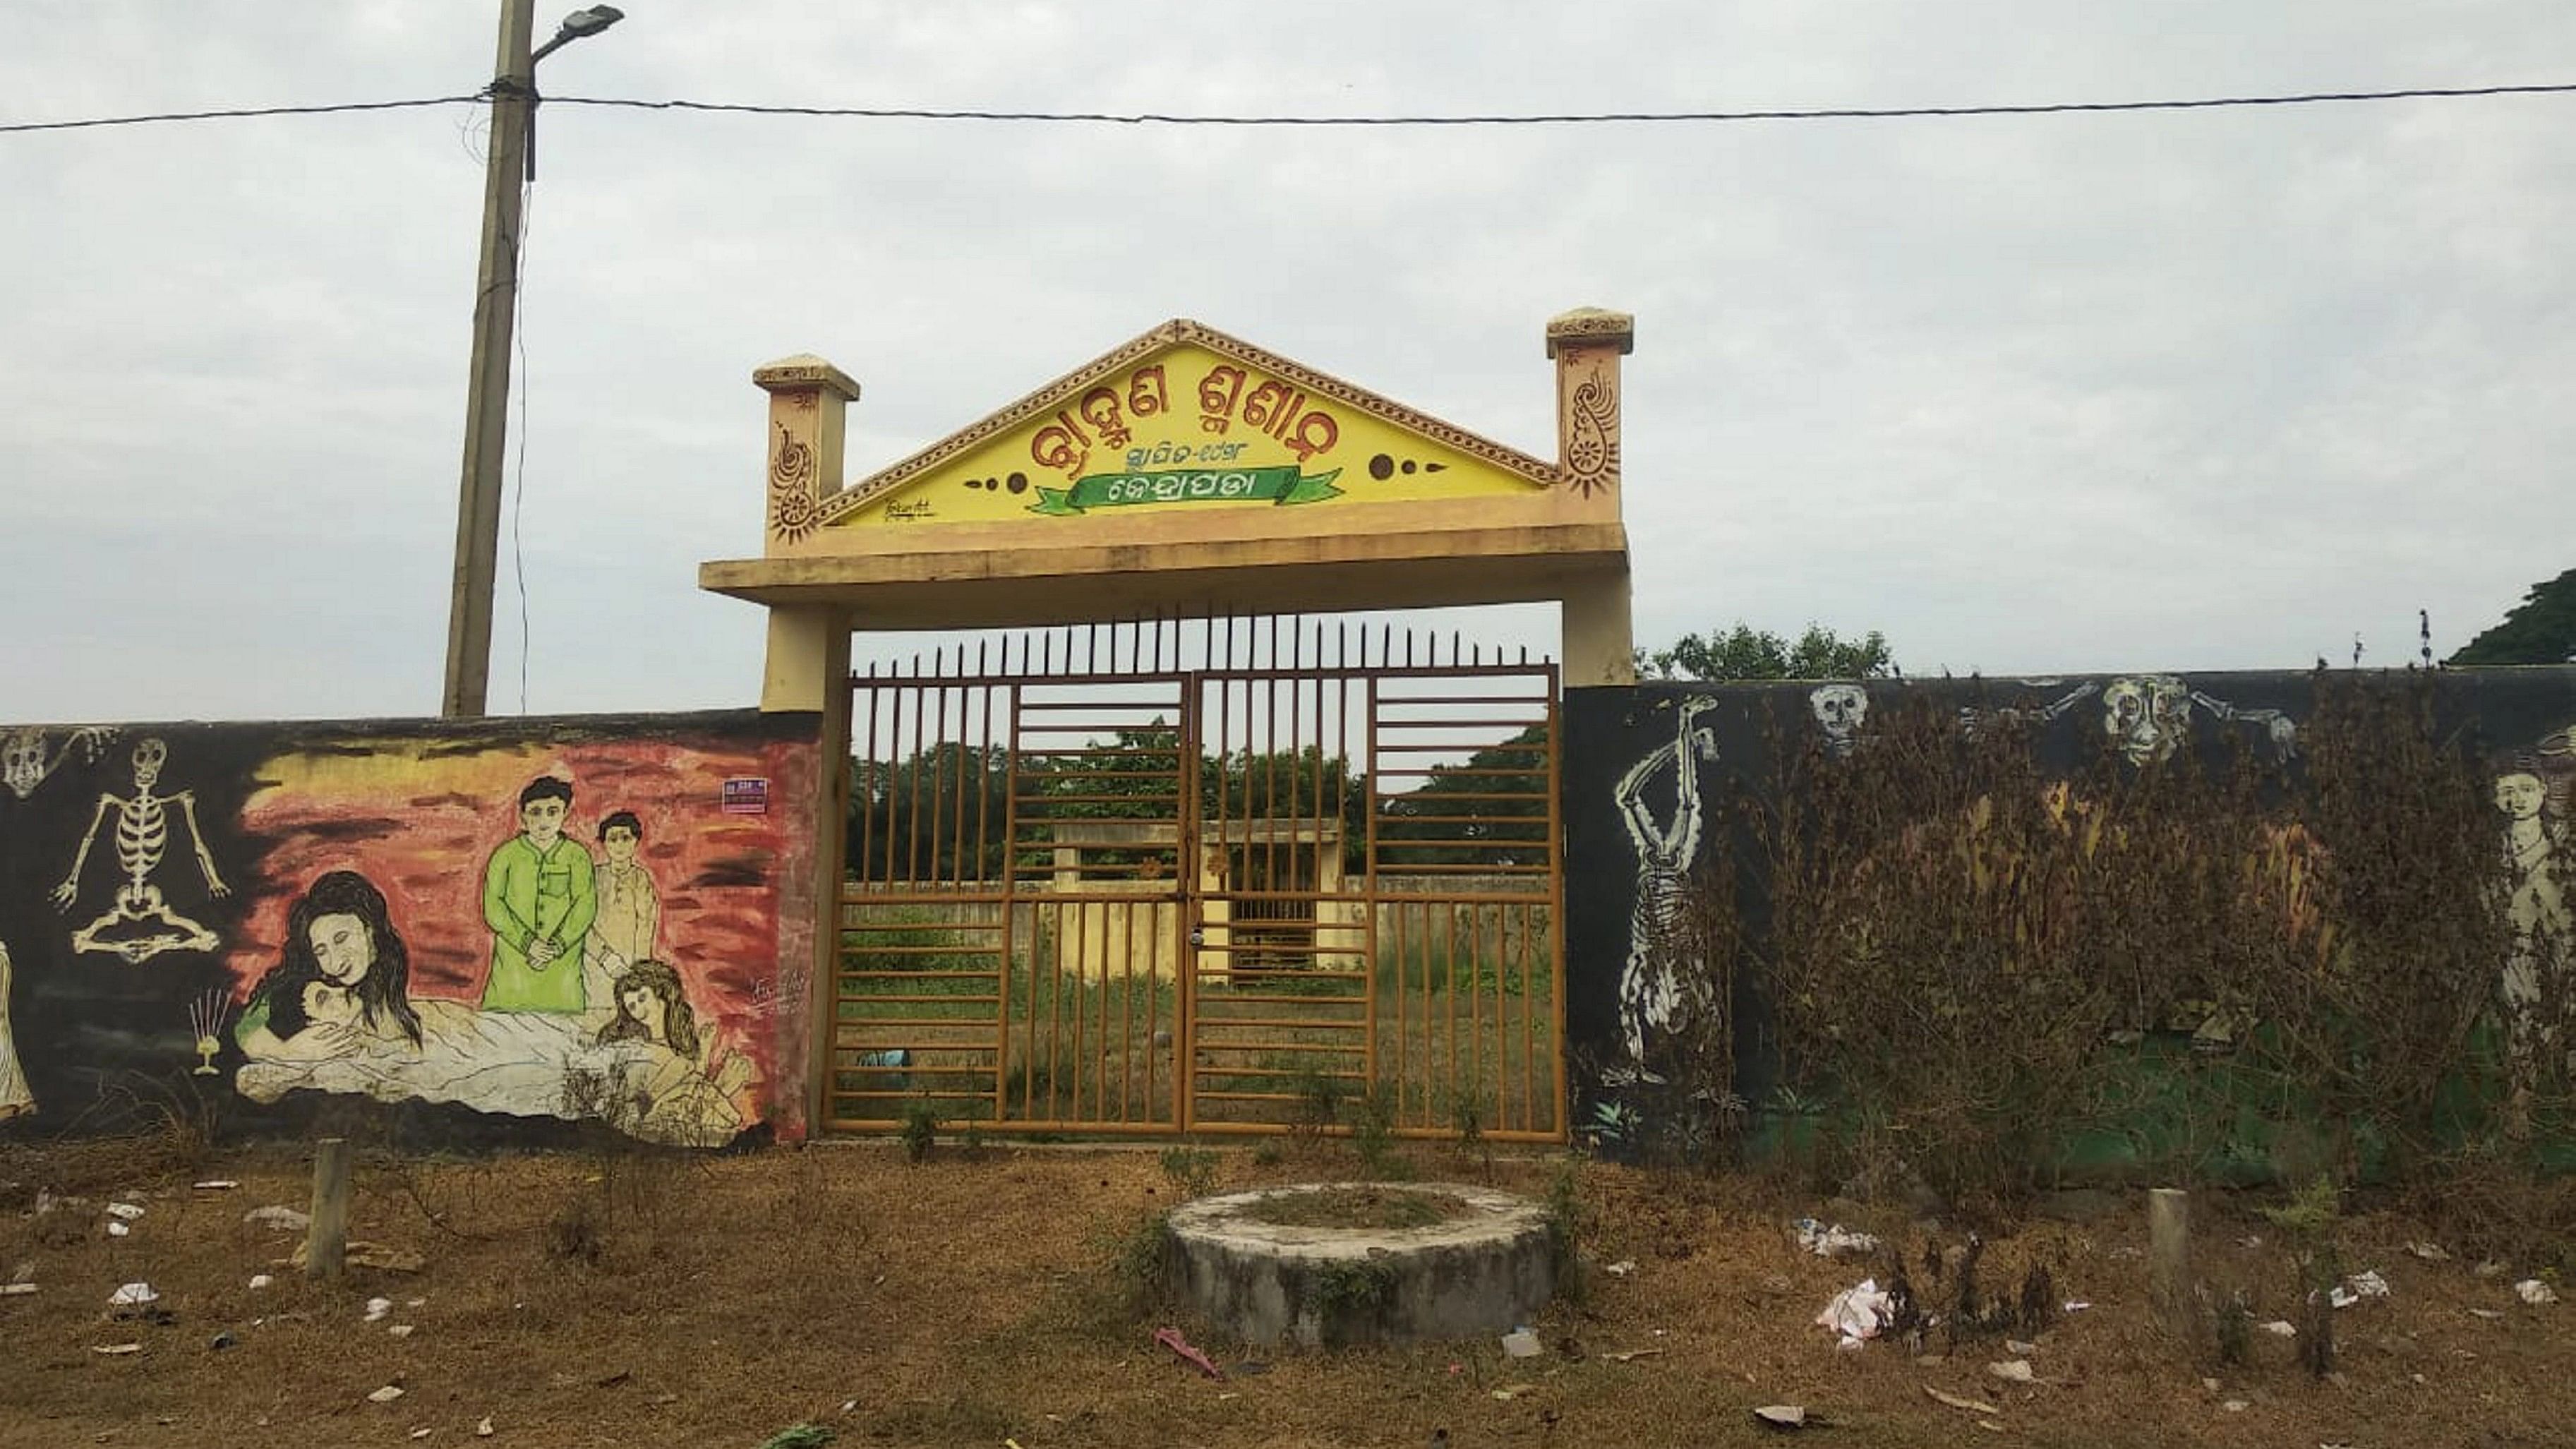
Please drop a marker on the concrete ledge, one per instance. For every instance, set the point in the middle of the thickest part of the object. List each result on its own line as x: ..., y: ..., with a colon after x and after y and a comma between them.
x: 1272, y: 1283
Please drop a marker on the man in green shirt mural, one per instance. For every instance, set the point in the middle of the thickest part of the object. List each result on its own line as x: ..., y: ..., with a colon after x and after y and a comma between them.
x: 539, y: 900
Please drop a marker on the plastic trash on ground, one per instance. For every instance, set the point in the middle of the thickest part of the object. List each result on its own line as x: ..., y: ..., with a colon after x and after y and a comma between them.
x: 1832, y: 1242
x: 1857, y: 1313
x: 2358, y: 1287
x: 133, y: 1295
x: 2535, y: 1292
x: 1520, y: 1343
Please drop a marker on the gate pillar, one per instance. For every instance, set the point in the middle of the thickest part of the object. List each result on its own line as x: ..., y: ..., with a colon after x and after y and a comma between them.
x: 1586, y: 345
x: 807, y: 669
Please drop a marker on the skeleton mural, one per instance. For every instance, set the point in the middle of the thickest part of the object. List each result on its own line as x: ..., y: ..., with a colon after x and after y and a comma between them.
x: 23, y: 765
x: 2148, y: 716
x: 140, y: 924
x: 1839, y: 710
x: 2533, y: 833
x: 1662, y: 985
x: 1972, y: 719
x: 16, y: 1100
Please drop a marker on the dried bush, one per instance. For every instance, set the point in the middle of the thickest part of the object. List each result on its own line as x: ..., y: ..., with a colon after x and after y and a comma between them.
x: 2246, y: 967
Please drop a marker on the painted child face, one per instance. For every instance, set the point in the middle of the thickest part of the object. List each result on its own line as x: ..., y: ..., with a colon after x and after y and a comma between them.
x: 619, y: 842
x: 543, y: 820
x: 329, y: 1005
x: 343, y: 948
x: 2518, y: 795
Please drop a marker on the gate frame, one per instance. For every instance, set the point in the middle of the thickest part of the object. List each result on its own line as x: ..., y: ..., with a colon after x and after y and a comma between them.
x: 1564, y: 544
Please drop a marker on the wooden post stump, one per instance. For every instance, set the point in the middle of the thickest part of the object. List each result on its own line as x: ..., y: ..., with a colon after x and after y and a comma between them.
x: 2169, y: 1259
x: 326, y: 1242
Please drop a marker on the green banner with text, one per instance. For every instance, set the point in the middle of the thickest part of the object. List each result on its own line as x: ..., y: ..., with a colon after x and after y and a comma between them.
x: 1282, y: 485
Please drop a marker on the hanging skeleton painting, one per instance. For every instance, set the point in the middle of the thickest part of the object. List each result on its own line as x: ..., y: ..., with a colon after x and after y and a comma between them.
x: 1663, y: 984
x: 139, y: 923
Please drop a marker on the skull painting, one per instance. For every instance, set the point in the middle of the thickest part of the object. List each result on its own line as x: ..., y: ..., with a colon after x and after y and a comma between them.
x: 1839, y: 710
x: 22, y: 762
x: 2147, y: 716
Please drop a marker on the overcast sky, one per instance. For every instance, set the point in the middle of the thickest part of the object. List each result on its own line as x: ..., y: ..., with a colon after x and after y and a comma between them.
x: 2150, y: 391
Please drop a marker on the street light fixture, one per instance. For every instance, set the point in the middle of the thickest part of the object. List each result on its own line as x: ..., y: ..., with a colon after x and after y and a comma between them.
x: 496, y: 307
x: 579, y: 25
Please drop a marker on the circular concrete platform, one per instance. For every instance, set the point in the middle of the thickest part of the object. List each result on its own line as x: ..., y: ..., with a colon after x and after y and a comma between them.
x: 1484, y: 1271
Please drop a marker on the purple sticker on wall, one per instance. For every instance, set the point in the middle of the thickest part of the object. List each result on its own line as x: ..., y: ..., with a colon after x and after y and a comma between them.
x: 747, y: 796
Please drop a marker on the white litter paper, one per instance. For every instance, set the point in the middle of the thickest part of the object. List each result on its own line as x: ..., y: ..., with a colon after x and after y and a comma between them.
x: 133, y: 1295
x: 2535, y: 1292
x: 2358, y: 1287
x: 1857, y: 1313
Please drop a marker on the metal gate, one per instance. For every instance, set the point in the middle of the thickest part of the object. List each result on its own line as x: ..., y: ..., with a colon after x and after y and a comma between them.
x: 1229, y: 875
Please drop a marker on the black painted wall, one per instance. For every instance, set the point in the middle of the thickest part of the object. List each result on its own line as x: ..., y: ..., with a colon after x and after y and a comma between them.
x: 1747, y: 731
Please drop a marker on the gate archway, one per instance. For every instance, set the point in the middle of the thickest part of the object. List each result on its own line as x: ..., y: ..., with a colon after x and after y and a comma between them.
x: 1223, y: 871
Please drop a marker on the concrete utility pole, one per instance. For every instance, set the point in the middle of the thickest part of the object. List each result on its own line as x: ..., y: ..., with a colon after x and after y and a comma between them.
x: 506, y: 168
x: 487, y: 397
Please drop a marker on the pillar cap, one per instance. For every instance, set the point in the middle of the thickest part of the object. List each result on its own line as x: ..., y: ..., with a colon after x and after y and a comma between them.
x: 803, y: 371
x: 1591, y: 326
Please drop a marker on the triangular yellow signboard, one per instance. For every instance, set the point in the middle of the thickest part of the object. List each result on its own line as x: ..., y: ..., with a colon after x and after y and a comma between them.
x: 1186, y: 418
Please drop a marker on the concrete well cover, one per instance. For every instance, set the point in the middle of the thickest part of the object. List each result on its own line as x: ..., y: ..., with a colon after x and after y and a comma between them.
x: 1484, y: 1272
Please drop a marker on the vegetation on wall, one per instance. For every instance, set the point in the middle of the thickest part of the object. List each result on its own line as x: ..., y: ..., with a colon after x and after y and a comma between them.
x: 2225, y: 968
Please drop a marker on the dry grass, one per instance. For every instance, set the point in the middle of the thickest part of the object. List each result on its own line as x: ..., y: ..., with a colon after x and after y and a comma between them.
x: 968, y: 1301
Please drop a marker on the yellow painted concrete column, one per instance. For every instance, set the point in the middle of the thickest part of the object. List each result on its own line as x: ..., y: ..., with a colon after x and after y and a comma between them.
x: 807, y: 666
x: 1586, y: 345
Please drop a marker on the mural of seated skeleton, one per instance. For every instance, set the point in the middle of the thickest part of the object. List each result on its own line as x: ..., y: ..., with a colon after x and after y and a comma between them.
x: 142, y: 835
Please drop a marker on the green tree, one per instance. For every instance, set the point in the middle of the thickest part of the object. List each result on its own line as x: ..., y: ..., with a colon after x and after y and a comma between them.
x: 1748, y: 653
x: 2539, y: 630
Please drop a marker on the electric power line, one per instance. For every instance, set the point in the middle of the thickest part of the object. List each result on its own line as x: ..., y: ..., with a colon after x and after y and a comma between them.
x: 243, y: 113
x: 1155, y: 118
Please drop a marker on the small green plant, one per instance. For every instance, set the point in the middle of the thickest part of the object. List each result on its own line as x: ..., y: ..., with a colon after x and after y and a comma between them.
x: 1568, y: 1220
x: 1318, y: 1105
x: 577, y: 1233
x: 1467, y: 1118
x: 2309, y: 1221
x: 2232, y: 1321
x: 1129, y: 1283
x: 920, y: 1130
x: 1269, y: 1154
x: 1373, y: 1133
x: 1192, y: 1171
x: 1355, y: 1286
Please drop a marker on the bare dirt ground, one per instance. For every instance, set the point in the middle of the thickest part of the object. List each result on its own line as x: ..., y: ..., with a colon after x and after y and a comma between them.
x: 972, y: 1300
